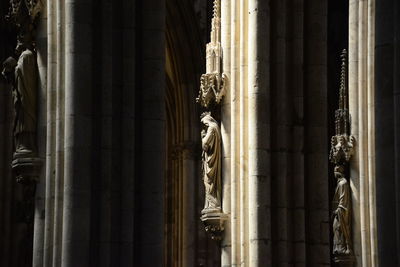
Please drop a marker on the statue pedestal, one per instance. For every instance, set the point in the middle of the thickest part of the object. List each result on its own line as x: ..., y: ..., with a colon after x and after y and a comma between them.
x: 344, y: 260
x: 214, y: 223
x: 27, y: 170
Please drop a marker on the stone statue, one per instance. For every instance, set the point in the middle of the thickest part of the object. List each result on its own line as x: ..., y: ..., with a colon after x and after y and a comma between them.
x: 341, y: 215
x: 22, y: 75
x: 211, y: 160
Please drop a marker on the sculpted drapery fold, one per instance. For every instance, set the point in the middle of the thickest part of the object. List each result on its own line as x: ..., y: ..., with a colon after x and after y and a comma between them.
x: 211, y: 158
x: 341, y: 212
x: 25, y: 102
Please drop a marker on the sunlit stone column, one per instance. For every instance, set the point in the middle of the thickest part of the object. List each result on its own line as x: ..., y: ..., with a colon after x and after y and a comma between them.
x: 45, y: 43
x: 226, y: 245
x: 361, y: 105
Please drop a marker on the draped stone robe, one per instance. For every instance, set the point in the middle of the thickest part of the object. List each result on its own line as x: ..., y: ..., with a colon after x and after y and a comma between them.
x: 211, y: 155
x: 25, y: 98
x: 341, y: 219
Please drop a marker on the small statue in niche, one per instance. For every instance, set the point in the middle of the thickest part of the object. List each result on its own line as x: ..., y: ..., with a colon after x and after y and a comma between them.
x: 211, y: 163
x: 341, y: 216
x: 22, y: 76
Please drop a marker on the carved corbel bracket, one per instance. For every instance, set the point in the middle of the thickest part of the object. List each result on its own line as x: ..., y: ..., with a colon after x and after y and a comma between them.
x: 214, y: 224
x: 344, y: 260
x: 27, y: 170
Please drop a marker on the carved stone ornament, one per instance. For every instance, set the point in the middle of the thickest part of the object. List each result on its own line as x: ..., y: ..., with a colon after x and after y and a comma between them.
x: 213, y: 83
x: 21, y: 10
x: 342, y: 148
x: 212, y: 215
x: 214, y: 224
x: 212, y: 89
x: 342, y: 144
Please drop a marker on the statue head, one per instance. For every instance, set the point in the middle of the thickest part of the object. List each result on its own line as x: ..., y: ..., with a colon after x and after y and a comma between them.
x: 206, y: 118
x: 339, y: 171
x: 24, y: 41
x: 8, y: 68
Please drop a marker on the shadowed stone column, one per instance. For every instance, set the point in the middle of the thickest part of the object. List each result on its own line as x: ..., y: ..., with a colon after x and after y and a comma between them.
x: 387, y: 131
x: 150, y: 149
x: 259, y: 179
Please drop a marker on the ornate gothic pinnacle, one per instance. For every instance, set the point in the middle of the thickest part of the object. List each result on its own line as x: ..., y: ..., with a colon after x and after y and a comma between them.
x: 217, y: 9
x: 343, y: 85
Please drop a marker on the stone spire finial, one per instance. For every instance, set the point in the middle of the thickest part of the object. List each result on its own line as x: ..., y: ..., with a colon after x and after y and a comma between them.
x: 217, y: 9
x: 213, y: 82
x: 342, y: 143
x: 343, y: 84
x: 342, y: 116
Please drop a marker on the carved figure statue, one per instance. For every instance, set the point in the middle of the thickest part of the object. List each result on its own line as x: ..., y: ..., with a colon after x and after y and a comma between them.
x: 211, y: 160
x: 342, y: 245
x: 22, y: 75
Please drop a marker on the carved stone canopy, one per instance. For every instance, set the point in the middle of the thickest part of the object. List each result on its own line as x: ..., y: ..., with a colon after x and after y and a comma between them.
x: 212, y: 89
x: 22, y: 11
x: 213, y: 83
x: 342, y: 148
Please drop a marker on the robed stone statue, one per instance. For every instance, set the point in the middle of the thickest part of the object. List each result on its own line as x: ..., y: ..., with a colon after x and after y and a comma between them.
x: 211, y: 163
x: 23, y: 78
x: 341, y: 213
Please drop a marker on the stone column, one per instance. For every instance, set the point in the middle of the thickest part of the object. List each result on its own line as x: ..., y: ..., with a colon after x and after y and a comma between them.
x: 234, y: 140
x: 150, y: 140
x: 361, y: 106
x: 259, y: 191
x: 189, y: 207
x: 129, y: 44
x: 58, y: 147
x: 244, y: 127
x: 396, y: 86
x: 227, y: 177
x: 387, y: 130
